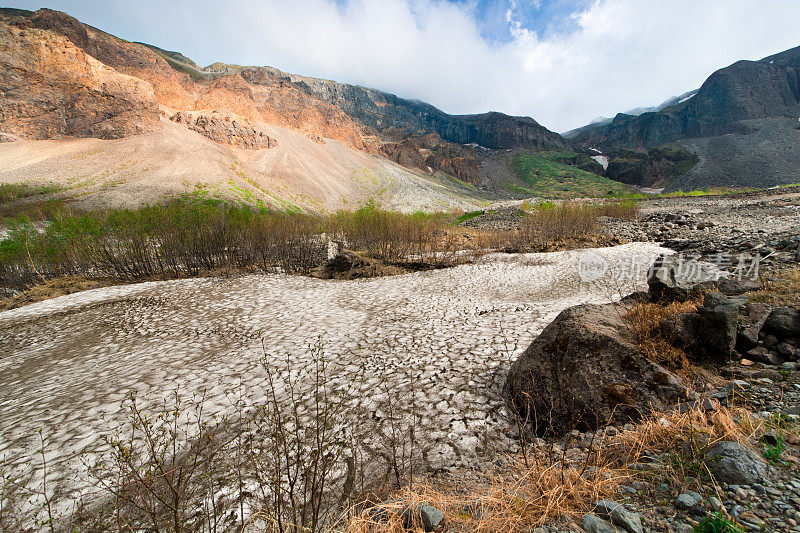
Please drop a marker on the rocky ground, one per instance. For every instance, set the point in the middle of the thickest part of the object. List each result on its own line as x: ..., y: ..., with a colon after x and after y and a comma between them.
x: 722, y: 229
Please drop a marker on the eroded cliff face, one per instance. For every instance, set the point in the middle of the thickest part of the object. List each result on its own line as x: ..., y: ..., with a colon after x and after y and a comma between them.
x: 49, y: 88
x: 430, y: 153
x: 225, y: 129
x: 137, y: 78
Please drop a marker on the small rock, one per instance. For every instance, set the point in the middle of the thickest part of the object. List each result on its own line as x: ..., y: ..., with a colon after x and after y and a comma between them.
x: 430, y: 517
x: 715, y: 503
x: 732, y: 462
x: 594, y: 524
x: 620, y: 515
x: 688, y: 500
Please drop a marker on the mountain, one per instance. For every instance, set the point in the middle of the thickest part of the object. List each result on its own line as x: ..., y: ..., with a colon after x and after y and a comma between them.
x: 742, y: 126
x: 124, y: 122
x: 635, y: 112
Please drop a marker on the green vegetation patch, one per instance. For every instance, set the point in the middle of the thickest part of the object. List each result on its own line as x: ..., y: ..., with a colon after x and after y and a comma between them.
x: 469, y: 216
x: 545, y: 176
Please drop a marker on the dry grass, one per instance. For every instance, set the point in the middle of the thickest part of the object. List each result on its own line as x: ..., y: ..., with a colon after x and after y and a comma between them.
x: 644, y: 320
x: 781, y: 288
x: 518, y: 499
x: 522, y: 498
x: 675, y: 432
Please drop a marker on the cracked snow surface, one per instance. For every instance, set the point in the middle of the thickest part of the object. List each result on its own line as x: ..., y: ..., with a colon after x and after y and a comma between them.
x: 68, y: 364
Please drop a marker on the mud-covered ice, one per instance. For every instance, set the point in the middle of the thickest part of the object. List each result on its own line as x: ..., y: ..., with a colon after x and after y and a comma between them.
x: 68, y: 364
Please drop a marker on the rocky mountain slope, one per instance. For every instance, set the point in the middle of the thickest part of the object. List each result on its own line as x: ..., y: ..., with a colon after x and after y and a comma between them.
x: 742, y: 124
x: 168, y: 126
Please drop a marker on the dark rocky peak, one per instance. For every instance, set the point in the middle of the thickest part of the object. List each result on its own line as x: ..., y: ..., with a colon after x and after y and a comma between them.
x: 788, y: 58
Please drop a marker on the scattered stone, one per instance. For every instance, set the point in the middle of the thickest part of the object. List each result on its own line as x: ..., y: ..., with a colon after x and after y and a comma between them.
x: 730, y: 391
x: 594, y: 524
x: 688, y: 500
x: 735, y: 463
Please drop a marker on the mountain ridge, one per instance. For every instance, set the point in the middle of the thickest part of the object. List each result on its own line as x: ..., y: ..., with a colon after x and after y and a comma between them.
x: 238, y: 108
x: 754, y: 103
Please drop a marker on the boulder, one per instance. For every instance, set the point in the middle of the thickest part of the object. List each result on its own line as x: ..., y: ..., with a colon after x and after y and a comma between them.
x: 733, y: 286
x: 764, y: 356
x: 719, y: 319
x: 585, y: 370
x: 674, y: 279
x: 736, y: 464
x: 783, y: 322
x: 594, y: 524
x: 753, y: 319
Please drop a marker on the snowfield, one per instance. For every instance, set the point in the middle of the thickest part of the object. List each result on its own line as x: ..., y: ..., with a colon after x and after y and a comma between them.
x: 68, y: 364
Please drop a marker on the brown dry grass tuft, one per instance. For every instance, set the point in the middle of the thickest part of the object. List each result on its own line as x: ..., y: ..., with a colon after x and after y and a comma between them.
x: 644, y: 320
x: 665, y: 432
x: 680, y: 440
x: 781, y: 288
x: 518, y: 499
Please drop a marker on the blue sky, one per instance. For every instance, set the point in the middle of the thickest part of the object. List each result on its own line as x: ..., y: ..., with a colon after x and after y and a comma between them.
x: 546, y: 17
x: 563, y: 62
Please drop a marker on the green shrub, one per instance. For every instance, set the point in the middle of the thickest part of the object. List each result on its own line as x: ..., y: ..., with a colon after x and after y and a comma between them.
x: 717, y: 523
x: 773, y: 452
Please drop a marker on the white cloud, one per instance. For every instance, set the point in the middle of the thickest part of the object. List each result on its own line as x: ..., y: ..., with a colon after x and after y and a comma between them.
x: 625, y: 53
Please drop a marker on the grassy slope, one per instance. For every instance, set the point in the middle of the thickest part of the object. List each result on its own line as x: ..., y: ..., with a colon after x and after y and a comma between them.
x: 544, y: 175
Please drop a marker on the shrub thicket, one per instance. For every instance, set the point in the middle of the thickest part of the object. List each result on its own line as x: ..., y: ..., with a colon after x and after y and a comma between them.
x: 188, y: 236
x: 178, y: 239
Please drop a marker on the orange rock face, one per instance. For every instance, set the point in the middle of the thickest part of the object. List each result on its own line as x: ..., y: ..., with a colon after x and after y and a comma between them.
x: 49, y: 87
x: 80, y: 81
x: 225, y: 129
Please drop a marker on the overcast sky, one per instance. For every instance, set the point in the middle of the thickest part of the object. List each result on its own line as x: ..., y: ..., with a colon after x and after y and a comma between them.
x: 562, y: 62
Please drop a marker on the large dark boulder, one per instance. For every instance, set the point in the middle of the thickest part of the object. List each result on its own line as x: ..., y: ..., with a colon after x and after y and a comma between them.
x: 719, y: 319
x: 753, y: 319
x: 674, y: 279
x: 783, y: 322
x: 585, y: 370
